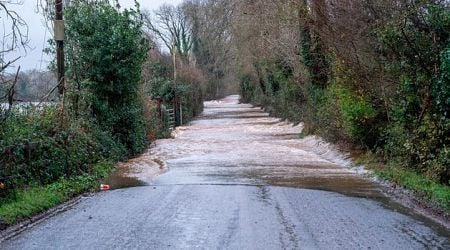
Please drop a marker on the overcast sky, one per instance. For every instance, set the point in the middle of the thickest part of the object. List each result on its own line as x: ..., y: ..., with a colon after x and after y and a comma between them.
x: 38, y: 35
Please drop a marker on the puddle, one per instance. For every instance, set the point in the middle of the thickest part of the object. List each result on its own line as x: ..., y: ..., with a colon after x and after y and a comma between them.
x: 343, y: 185
x: 319, y: 177
x: 395, y: 206
x: 120, y: 178
x: 136, y: 172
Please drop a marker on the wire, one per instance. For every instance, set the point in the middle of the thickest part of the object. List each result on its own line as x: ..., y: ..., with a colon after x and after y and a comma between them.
x: 42, y: 51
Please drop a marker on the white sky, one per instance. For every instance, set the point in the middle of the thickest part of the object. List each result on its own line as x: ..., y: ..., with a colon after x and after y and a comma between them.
x: 38, y: 35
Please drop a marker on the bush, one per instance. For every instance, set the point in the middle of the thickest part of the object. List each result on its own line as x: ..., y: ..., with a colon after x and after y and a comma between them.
x: 156, y: 126
x: 417, y: 135
x: 34, y: 199
x: 354, y: 112
x: 274, y: 89
x: 40, y: 148
x: 425, y: 150
x: 187, y: 89
x: 247, y: 89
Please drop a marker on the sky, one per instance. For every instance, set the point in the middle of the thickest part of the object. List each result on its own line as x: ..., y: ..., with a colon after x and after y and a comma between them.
x: 33, y: 58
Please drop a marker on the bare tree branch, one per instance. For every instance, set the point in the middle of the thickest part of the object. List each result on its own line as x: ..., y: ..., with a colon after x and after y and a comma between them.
x: 170, y: 25
x: 18, y: 32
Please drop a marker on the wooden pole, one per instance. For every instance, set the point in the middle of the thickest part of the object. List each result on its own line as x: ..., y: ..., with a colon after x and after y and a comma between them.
x: 59, y: 38
x: 181, y: 113
x: 174, y: 58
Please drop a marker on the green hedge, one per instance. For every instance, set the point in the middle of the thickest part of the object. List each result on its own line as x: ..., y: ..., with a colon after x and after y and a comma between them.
x: 42, y: 147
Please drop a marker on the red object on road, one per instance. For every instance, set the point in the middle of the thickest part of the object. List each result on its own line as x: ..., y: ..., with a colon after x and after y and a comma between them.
x: 104, y: 187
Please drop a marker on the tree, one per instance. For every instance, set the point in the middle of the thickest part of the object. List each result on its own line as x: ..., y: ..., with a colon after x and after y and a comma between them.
x: 17, y: 36
x: 372, y: 73
x: 170, y: 25
x: 212, y: 47
x: 14, y: 37
x: 105, y: 51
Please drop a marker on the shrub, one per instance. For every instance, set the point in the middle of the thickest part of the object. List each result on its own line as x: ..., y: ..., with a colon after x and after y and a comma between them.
x: 355, y: 110
x: 247, y: 89
x: 107, y: 50
x: 187, y: 89
x: 40, y: 148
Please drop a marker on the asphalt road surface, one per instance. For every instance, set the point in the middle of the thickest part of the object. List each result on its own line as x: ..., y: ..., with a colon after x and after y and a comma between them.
x: 239, y: 179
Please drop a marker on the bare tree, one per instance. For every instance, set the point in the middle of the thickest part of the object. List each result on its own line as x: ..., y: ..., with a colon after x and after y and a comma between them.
x: 213, y: 48
x: 13, y: 37
x: 18, y: 32
x: 170, y: 25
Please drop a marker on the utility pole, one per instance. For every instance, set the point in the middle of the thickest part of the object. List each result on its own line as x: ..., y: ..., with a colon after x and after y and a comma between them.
x: 174, y: 58
x: 59, y: 38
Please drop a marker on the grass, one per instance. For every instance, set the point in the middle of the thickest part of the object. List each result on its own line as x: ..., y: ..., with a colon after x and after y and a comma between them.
x: 30, y: 201
x: 432, y: 191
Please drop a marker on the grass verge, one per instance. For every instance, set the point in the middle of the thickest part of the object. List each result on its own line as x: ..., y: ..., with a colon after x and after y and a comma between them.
x: 435, y: 192
x: 427, y: 188
x: 32, y: 200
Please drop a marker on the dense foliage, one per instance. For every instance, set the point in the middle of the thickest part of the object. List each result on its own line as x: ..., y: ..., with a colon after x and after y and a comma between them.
x: 103, y: 115
x: 116, y: 101
x: 183, y: 94
x: 106, y: 50
x: 39, y: 148
x: 373, y: 74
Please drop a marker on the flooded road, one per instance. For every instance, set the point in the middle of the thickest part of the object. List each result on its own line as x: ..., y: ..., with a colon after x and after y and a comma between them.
x: 235, y: 143
x: 237, y: 179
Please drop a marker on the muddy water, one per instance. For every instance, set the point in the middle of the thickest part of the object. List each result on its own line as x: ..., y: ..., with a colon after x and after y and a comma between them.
x: 238, y: 144
x: 234, y: 143
x: 136, y: 172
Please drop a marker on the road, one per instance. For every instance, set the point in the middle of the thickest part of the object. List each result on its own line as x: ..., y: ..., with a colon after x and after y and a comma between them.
x: 238, y: 179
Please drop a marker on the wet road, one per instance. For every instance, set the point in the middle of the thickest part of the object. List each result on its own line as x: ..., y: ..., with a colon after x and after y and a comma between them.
x: 239, y: 179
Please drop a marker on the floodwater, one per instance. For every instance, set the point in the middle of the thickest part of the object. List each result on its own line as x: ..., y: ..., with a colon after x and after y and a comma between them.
x: 238, y: 144
x: 237, y: 179
x: 24, y: 105
x: 234, y: 143
x: 136, y: 172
